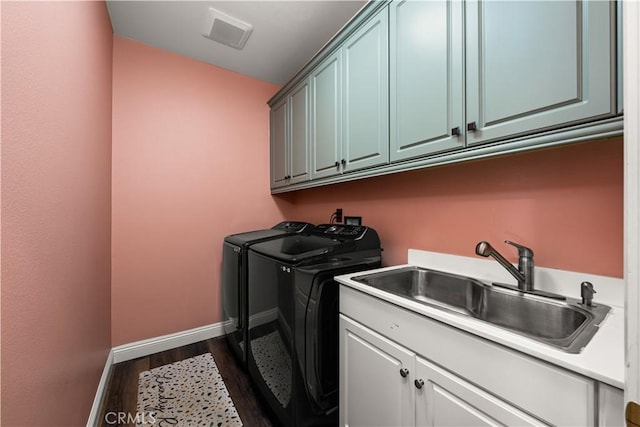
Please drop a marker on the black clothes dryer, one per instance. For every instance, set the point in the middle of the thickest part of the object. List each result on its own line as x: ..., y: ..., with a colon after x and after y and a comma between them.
x: 234, y: 280
x: 293, y: 318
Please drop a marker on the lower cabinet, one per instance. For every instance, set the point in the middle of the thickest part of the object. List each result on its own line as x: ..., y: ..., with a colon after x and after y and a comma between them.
x: 610, y: 406
x: 444, y: 399
x: 385, y: 384
x: 375, y: 379
x: 399, y: 368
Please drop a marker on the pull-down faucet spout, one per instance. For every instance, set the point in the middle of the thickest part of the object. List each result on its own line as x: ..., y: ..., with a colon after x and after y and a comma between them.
x: 524, y: 272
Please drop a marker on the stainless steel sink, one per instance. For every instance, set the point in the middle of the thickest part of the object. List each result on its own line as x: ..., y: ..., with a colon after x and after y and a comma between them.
x: 567, y: 325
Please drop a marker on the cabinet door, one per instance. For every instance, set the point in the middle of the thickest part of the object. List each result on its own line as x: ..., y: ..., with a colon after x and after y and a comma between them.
x: 611, y: 406
x: 299, y: 104
x: 366, y: 95
x: 426, y: 77
x: 447, y: 400
x: 535, y: 65
x: 373, y: 390
x: 279, y: 134
x: 326, y: 117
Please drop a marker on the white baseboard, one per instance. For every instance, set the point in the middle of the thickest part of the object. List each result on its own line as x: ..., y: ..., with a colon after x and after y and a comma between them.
x: 149, y: 346
x: 102, y: 389
x: 146, y: 347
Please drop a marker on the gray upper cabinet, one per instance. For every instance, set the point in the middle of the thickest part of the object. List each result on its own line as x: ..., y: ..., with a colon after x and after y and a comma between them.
x: 279, y: 135
x: 426, y: 77
x: 290, y: 136
x: 535, y: 65
x: 299, y: 102
x: 349, y: 118
x: 365, y: 126
x: 326, y: 132
x: 410, y: 84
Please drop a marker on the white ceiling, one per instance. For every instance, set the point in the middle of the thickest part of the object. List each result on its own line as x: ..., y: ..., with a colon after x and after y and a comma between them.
x: 286, y: 34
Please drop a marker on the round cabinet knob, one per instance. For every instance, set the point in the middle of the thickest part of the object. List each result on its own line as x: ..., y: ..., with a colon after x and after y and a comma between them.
x: 419, y: 383
x: 404, y: 372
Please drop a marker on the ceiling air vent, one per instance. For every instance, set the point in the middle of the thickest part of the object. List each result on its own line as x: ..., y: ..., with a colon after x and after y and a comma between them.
x: 226, y: 29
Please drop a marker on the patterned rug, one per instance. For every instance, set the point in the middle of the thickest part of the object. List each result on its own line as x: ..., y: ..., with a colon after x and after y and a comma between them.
x: 186, y: 393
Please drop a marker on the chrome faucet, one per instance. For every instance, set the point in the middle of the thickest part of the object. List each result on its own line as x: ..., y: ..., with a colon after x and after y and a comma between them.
x: 524, y: 272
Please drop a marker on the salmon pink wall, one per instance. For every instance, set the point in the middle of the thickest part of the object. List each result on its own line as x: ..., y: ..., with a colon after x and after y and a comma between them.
x: 190, y: 166
x: 56, y: 209
x: 565, y: 203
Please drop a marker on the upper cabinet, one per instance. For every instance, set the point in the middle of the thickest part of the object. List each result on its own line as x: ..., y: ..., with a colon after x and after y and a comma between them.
x: 290, y: 134
x: 279, y: 142
x: 527, y: 66
x: 350, y: 98
x: 365, y: 129
x: 299, y: 104
x: 412, y: 83
x: 326, y: 117
x: 536, y: 65
x: 426, y: 77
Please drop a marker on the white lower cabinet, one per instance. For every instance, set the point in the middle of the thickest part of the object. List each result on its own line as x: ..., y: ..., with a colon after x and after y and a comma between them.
x: 385, y: 384
x: 375, y: 379
x: 611, y: 406
x: 444, y: 399
x: 399, y: 368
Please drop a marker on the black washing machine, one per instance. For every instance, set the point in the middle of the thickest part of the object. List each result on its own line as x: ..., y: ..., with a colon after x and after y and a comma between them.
x: 234, y: 280
x: 293, y: 318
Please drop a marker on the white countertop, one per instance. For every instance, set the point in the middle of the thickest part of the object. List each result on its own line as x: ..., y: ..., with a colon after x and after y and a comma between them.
x: 602, y: 358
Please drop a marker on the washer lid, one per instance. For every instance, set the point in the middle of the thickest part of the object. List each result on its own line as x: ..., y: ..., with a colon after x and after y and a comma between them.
x: 297, y: 247
x: 281, y: 229
x: 249, y: 237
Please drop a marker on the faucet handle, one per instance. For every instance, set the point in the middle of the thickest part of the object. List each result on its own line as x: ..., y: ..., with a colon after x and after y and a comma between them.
x: 523, y: 251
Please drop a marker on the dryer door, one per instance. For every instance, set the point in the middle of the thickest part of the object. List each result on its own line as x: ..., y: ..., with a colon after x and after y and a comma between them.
x: 321, y: 342
x: 316, y: 328
x: 316, y: 338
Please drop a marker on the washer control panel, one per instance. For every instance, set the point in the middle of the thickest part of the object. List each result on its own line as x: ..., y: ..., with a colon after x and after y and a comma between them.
x: 339, y: 231
x: 293, y: 226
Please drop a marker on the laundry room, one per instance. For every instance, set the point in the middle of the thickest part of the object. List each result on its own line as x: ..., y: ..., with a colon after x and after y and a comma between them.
x: 172, y: 204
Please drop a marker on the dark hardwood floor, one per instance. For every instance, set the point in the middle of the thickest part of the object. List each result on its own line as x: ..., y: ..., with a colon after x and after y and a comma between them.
x: 122, y: 391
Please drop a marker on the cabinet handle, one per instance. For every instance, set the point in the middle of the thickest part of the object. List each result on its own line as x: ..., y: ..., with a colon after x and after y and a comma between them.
x: 455, y: 131
x: 337, y: 163
x: 419, y: 383
x: 471, y: 127
x: 404, y: 372
x: 344, y: 162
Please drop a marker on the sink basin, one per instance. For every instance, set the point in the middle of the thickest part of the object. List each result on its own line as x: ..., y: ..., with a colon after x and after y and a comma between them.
x: 566, y: 325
